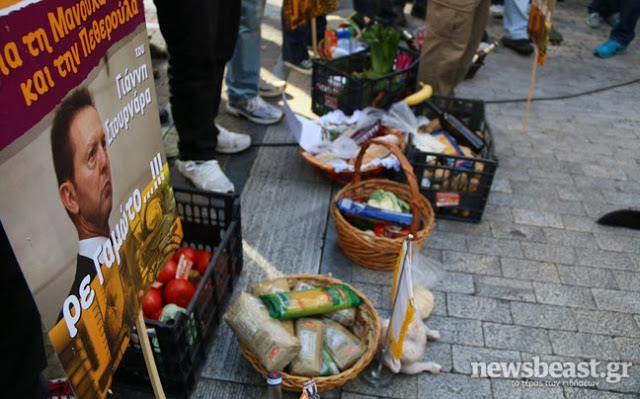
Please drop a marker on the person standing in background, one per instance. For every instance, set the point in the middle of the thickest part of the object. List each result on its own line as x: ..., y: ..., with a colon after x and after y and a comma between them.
x: 603, y: 10
x: 454, y: 31
x: 244, y: 86
x: 516, y: 19
x: 201, y: 37
x: 623, y: 32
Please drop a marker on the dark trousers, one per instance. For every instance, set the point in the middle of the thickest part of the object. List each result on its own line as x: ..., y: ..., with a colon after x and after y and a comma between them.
x: 624, y: 31
x: 295, y: 42
x: 605, y: 8
x: 201, y: 36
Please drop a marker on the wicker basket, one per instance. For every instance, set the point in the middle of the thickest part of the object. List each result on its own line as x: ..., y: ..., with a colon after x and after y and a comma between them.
x: 366, y: 318
x: 381, y: 253
x: 346, y: 177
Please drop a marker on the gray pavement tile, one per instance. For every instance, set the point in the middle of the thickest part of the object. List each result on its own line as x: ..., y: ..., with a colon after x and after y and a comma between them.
x: 627, y: 281
x: 621, y: 200
x: 537, y: 218
x: 467, y: 229
x: 454, y: 386
x: 628, y: 348
x: 514, y: 389
x: 583, y: 345
x: 563, y: 295
x: 519, y: 201
x: 498, y: 213
x: 471, y: 263
x: 529, y: 270
x: 630, y: 384
x: 348, y: 395
x: 377, y: 294
x: 365, y: 275
x: 447, y: 241
x: 518, y: 338
x: 457, y: 331
x: 501, y: 185
x: 206, y: 388
x: 543, y: 316
x: 494, y: 246
x: 465, y: 356
x: 542, y: 189
x: 402, y: 386
x: 619, y: 243
x: 581, y: 393
x: 455, y: 282
x: 570, y: 239
x: 272, y: 166
x: 480, y: 308
x: 440, y: 353
x: 606, y: 323
x: 548, y: 253
x: 440, y: 299
x: 604, y: 259
x: 561, y: 207
x: 517, y: 232
x: 505, y: 288
x: 587, y: 276
x: 618, y: 301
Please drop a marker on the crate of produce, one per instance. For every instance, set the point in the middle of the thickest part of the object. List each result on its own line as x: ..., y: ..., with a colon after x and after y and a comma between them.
x: 457, y: 186
x: 334, y: 85
x: 211, y: 224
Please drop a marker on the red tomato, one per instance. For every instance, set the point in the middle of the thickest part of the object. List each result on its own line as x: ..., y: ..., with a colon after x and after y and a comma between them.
x: 202, y: 261
x: 378, y: 229
x: 188, y: 252
x: 151, y: 302
x: 168, y: 273
x: 179, y: 292
x: 157, y: 314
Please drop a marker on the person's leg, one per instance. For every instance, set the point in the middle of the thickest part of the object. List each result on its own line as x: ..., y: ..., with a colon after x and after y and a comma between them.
x: 516, y: 19
x: 479, y: 24
x: 624, y: 31
x: 447, y: 36
x: 243, y: 70
x: 294, y: 44
x: 191, y: 74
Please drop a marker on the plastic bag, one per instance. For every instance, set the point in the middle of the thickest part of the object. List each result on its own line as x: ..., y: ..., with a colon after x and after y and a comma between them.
x: 401, y: 117
x: 344, y: 347
x: 310, y: 333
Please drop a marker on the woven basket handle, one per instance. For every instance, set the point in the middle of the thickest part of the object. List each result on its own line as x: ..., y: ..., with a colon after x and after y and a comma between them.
x: 408, y: 171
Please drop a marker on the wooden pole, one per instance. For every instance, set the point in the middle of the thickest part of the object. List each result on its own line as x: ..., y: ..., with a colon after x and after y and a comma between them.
x: 147, y: 352
x: 314, y: 37
x: 531, y: 83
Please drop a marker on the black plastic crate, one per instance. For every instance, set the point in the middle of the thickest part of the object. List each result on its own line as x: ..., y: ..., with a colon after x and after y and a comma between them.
x: 211, y: 222
x: 334, y: 86
x: 458, y: 187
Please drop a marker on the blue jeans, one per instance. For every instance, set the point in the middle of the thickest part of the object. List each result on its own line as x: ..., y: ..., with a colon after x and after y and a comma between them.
x: 516, y: 19
x: 624, y: 31
x: 243, y: 70
x: 295, y: 42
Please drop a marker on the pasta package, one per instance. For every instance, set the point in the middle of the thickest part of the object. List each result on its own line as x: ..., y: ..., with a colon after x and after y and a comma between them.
x: 294, y: 304
x: 310, y: 333
x: 344, y: 347
x: 329, y: 367
x: 264, y: 336
x: 272, y: 287
x: 346, y: 317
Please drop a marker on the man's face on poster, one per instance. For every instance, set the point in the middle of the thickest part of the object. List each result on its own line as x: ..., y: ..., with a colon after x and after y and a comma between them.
x: 92, y: 172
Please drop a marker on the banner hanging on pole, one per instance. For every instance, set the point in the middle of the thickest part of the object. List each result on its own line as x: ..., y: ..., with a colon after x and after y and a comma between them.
x: 402, y: 314
x: 86, y: 205
x: 540, y: 26
x: 296, y: 13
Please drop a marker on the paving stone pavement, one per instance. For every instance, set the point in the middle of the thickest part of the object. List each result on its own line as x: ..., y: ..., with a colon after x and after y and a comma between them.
x: 536, y: 279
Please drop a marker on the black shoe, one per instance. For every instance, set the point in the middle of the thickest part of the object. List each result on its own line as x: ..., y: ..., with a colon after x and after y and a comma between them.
x: 520, y: 46
x: 555, y: 37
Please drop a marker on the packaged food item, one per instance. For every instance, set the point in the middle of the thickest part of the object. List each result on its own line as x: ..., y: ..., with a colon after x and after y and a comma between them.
x: 301, y: 285
x: 344, y: 316
x: 262, y: 335
x: 329, y: 367
x: 272, y: 287
x: 310, y: 333
x: 294, y: 304
x: 344, y: 347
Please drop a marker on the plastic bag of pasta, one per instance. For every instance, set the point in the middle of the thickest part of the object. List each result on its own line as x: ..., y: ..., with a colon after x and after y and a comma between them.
x: 294, y: 304
x: 344, y: 347
x: 273, y: 287
x: 346, y: 317
x: 329, y: 367
x: 310, y: 333
x: 262, y: 335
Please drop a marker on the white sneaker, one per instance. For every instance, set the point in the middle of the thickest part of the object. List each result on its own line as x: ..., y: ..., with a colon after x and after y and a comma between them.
x: 274, y: 89
x: 305, y: 67
x: 206, y: 175
x: 496, y: 10
x: 231, y: 143
x: 256, y: 110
